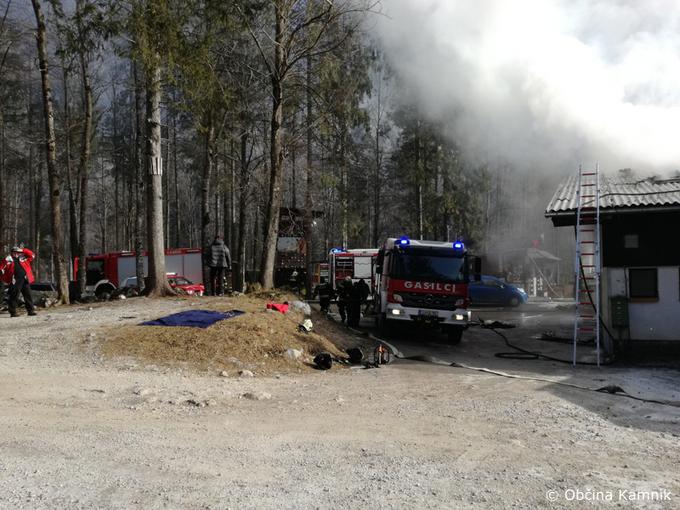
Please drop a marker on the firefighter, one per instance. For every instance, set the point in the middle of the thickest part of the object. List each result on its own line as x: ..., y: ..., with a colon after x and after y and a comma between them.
x: 218, y: 259
x: 345, y: 288
x: 15, y: 270
x: 354, y: 305
x: 364, y: 290
x: 326, y: 293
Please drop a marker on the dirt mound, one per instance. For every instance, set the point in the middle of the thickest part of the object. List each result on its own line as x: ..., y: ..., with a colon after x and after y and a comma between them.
x: 256, y: 341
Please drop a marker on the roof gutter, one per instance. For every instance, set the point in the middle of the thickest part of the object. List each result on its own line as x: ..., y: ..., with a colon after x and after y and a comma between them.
x: 618, y: 210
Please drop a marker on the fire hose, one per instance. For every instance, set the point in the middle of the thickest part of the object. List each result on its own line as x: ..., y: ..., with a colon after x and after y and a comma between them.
x: 385, y: 353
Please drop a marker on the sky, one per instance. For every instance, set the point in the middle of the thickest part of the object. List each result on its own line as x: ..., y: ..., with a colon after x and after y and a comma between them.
x: 544, y: 84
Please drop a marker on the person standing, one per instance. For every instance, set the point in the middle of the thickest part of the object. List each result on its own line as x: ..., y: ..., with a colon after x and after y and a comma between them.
x: 325, y: 292
x: 364, y: 291
x: 218, y: 260
x: 354, y: 306
x: 15, y: 271
x: 345, y: 288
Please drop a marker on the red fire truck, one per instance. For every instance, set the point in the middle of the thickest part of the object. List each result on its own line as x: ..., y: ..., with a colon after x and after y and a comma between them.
x: 425, y: 282
x: 357, y: 264
x: 109, y: 271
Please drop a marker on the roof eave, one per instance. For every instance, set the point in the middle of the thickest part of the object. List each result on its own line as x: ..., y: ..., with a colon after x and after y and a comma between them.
x: 561, y: 218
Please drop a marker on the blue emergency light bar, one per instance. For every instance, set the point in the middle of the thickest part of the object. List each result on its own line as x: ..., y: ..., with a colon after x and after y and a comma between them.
x: 402, y: 241
x: 337, y: 250
x: 458, y: 245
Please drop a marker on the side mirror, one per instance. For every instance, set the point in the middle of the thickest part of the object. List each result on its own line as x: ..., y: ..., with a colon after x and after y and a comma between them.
x: 380, y: 259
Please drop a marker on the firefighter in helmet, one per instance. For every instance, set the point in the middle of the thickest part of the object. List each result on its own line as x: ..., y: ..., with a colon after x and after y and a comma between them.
x: 326, y: 293
x: 345, y: 288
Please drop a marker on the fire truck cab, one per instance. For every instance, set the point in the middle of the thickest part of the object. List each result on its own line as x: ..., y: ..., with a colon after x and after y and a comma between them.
x: 424, y: 282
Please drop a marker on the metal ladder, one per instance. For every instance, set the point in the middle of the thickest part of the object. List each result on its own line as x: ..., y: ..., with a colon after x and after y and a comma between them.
x: 587, y: 268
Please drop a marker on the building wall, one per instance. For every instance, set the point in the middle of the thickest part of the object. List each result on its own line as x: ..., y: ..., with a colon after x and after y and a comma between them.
x: 649, y: 320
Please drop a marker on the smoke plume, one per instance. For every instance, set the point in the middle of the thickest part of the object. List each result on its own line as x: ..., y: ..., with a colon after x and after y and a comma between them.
x: 545, y: 83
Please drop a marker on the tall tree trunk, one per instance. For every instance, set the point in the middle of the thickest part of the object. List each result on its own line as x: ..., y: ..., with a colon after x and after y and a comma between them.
x: 3, y: 247
x: 232, y: 206
x: 158, y: 285
x: 104, y: 207
x: 166, y: 196
x: 176, y: 177
x: 419, y: 185
x: 293, y: 169
x: 244, y: 180
x: 308, y: 218
x: 33, y: 213
x: 116, y: 168
x: 51, y: 151
x: 139, y: 183
x: 205, y: 180
x: 377, y: 181
x: 205, y: 185
x: 15, y: 207
x: 83, y: 167
x: 217, y: 214
x: 344, y: 189
x: 37, y: 233
x: 73, y: 197
x: 229, y: 199
x: 276, y: 154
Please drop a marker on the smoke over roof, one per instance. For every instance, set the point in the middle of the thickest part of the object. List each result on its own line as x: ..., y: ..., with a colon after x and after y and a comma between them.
x: 545, y: 83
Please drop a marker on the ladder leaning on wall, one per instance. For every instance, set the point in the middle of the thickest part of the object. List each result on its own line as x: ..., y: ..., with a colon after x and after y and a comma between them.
x: 587, y: 268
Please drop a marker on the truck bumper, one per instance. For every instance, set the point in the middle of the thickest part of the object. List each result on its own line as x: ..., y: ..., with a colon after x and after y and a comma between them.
x: 457, y: 317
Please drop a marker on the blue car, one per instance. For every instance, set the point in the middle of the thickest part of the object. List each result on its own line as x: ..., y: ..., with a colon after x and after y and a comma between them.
x: 494, y: 291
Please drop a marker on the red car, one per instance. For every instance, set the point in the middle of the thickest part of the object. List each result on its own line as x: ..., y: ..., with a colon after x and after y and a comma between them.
x: 180, y: 282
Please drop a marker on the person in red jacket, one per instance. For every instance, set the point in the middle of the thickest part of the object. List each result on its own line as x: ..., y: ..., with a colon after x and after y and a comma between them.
x: 15, y: 270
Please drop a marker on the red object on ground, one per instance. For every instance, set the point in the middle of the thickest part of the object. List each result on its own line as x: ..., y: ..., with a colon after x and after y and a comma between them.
x: 279, y: 307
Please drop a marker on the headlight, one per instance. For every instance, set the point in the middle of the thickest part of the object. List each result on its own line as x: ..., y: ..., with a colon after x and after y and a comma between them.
x: 396, y: 311
x: 521, y: 290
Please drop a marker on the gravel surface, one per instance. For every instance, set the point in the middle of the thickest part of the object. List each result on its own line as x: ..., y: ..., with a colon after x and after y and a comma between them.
x: 82, y: 431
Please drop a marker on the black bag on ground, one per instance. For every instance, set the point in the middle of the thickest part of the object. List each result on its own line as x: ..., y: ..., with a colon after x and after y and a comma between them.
x: 356, y: 356
x: 323, y: 360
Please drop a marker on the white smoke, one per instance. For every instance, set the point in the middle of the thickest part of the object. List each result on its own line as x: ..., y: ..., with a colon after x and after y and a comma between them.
x: 545, y: 83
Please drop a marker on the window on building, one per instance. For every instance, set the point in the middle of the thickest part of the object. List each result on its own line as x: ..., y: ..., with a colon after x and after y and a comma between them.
x: 631, y: 241
x: 643, y: 283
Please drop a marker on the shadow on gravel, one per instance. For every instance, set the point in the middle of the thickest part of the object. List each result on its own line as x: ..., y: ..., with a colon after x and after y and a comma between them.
x: 479, y: 348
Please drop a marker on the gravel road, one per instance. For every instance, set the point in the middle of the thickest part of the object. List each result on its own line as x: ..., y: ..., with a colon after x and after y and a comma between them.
x: 80, y: 431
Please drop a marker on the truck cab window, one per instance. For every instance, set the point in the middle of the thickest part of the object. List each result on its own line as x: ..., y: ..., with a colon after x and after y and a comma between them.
x: 427, y: 265
x: 95, y: 272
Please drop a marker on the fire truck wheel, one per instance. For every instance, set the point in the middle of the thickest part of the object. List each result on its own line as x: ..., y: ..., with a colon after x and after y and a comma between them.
x: 103, y: 293
x: 455, y: 334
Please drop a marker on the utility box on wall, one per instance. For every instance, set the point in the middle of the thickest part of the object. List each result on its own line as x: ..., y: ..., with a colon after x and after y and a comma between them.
x: 619, y: 312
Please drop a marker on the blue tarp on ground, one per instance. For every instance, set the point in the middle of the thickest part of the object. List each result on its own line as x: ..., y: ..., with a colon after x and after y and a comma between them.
x: 193, y: 318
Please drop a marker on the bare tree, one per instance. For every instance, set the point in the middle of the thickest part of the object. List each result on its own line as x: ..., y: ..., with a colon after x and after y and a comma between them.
x: 158, y: 285
x: 85, y: 146
x: 54, y: 176
x: 299, y: 29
